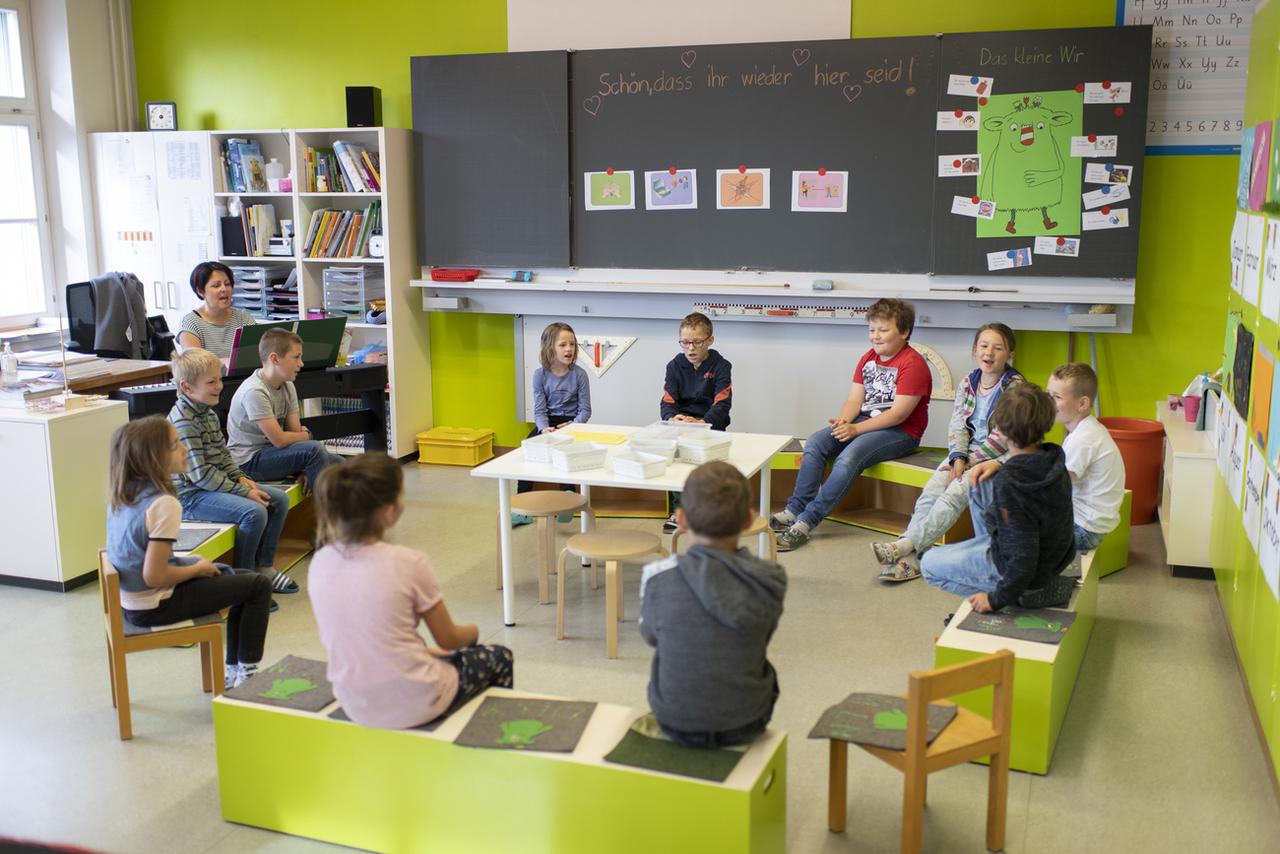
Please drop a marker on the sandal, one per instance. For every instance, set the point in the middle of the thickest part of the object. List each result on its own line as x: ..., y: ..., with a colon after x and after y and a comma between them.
x: 282, y: 583
x: 887, y: 554
x: 901, y: 571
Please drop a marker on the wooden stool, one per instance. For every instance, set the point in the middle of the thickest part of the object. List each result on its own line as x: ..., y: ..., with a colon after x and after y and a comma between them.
x: 544, y: 506
x: 755, y: 529
x: 612, y: 547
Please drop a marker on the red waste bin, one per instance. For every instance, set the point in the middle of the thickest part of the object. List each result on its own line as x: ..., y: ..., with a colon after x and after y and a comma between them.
x: 1141, y: 443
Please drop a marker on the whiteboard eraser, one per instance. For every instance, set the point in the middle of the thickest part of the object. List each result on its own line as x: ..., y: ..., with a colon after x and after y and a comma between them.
x: 823, y: 284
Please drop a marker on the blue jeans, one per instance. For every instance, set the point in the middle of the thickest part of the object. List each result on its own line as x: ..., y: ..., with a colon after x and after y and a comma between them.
x: 966, y: 567
x: 1086, y: 540
x: 309, y: 457
x: 258, y: 528
x: 813, y: 499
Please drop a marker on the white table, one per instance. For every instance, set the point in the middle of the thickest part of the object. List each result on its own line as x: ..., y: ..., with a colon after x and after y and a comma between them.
x: 1186, y: 495
x: 749, y: 453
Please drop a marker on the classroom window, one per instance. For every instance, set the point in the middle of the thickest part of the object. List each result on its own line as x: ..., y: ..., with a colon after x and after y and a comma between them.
x: 24, y: 235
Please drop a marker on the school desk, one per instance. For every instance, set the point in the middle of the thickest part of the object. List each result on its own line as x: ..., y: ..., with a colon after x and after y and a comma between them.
x: 750, y: 453
x: 121, y: 373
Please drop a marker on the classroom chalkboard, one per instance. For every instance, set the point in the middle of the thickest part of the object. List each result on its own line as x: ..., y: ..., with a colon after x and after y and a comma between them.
x: 865, y: 107
x: 1046, y: 87
x: 491, y: 140
x: 986, y: 154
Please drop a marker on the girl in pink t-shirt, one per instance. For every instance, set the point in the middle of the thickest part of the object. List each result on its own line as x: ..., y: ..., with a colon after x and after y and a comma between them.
x: 369, y: 596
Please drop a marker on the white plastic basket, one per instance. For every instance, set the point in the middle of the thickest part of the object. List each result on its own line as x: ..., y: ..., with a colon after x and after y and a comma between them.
x: 537, y: 449
x: 576, y: 456
x: 701, y: 448
x: 665, y: 448
x: 640, y: 465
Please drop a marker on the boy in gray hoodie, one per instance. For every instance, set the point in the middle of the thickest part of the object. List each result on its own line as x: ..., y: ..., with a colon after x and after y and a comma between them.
x: 709, y: 614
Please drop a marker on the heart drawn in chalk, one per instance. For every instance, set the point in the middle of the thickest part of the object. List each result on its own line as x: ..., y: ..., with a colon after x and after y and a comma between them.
x: 688, y: 58
x: 851, y: 92
x: 592, y: 104
x: 800, y: 56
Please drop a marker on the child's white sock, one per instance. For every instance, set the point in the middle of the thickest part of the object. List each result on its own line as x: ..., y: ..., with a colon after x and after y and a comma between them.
x: 246, y: 671
x: 231, y: 676
x: 785, y: 517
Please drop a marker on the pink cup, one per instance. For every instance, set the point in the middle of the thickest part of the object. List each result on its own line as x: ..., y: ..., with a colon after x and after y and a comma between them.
x: 1191, y: 407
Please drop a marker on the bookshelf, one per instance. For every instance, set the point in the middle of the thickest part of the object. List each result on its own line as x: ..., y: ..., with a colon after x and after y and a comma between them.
x: 405, y: 332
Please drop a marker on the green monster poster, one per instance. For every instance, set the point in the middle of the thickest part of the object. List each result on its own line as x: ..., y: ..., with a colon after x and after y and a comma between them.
x: 1027, y: 167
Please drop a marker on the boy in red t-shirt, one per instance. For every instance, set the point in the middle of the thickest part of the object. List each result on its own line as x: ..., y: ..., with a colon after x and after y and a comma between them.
x: 882, y: 419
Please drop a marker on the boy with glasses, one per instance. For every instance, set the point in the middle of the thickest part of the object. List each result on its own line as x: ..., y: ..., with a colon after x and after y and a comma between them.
x: 698, y: 386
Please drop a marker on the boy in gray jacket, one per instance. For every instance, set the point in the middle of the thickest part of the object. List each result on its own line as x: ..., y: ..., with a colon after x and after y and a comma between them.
x: 709, y: 614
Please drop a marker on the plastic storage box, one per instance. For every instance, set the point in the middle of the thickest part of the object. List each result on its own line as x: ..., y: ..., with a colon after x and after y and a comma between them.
x: 698, y: 448
x: 455, y: 446
x: 537, y: 449
x: 640, y: 465
x: 665, y: 448
x: 576, y: 456
x: 348, y: 290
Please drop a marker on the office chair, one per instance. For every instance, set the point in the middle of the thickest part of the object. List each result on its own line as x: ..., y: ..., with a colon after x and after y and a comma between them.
x: 82, y: 320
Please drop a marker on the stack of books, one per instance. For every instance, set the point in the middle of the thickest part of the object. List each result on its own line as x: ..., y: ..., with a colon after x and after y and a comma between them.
x: 76, y: 366
x: 342, y: 234
x: 348, y: 167
x: 243, y: 165
x: 19, y: 395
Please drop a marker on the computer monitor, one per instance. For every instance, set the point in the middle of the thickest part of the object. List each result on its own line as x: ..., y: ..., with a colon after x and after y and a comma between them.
x: 321, y: 340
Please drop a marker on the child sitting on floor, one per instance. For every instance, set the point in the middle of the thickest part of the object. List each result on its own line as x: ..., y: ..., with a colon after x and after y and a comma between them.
x: 1023, y: 536
x: 709, y: 614
x: 369, y: 596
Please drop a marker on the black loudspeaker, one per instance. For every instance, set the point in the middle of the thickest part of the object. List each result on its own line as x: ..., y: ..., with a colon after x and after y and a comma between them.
x: 364, y: 107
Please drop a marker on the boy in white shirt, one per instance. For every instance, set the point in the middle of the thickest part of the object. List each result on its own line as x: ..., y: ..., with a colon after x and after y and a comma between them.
x: 1093, y: 460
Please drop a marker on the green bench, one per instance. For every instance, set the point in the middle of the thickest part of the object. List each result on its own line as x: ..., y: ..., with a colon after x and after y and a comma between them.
x: 295, y: 539
x: 311, y: 775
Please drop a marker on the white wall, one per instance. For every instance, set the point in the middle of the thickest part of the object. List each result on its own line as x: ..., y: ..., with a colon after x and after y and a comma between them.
x: 590, y: 24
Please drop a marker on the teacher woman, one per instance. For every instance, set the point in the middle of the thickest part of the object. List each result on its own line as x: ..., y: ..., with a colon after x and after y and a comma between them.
x: 212, y: 326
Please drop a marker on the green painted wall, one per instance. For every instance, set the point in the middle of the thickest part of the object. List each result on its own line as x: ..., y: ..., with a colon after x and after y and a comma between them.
x: 283, y: 74
x: 1254, y: 614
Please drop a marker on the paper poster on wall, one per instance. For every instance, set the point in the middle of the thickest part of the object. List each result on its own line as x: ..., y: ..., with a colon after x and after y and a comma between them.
x: 1261, y: 162
x: 671, y: 190
x: 1229, y: 352
x: 1273, y: 424
x: 1105, y: 217
x: 1094, y: 145
x: 1108, y: 92
x: 1254, y: 473
x: 1063, y: 247
x: 1269, y: 302
x: 1255, y: 238
x: 1264, y: 370
x: 1242, y: 371
x: 1007, y: 259
x: 1273, y: 175
x: 1239, y: 234
x: 1028, y: 134
x: 1222, y: 437
x: 973, y: 206
x: 1269, y: 535
x: 958, y: 120
x: 1107, y: 195
x: 611, y: 190
x: 959, y: 165
x: 1246, y: 168
x: 821, y: 191
x: 1239, y: 447
x: 969, y: 85
x: 742, y: 189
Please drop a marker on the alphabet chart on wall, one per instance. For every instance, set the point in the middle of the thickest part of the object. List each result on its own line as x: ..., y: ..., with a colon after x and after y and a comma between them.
x: 1199, y: 60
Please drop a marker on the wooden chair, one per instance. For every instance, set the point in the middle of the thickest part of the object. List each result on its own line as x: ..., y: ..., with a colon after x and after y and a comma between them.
x: 544, y: 506
x: 124, y: 638
x: 612, y: 547
x: 759, y: 526
x: 969, y: 736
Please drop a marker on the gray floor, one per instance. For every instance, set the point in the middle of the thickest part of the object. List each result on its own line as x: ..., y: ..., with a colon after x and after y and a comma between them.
x: 1157, y: 752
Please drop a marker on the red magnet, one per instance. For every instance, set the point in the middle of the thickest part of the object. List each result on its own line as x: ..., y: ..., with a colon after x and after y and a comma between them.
x: 742, y: 168
x: 955, y: 163
x: 959, y: 113
x: 1119, y: 111
x: 822, y: 171
x: 975, y: 200
x: 1062, y: 241
x: 672, y: 170
x: 1093, y: 137
x: 609, y: 171
x: 982, y: 102
x: 1106, y: 84
x: 1106, y: 209
x: 1079, y: 87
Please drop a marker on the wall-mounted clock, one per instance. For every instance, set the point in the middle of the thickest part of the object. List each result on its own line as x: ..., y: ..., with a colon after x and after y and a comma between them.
x: 162, y: 115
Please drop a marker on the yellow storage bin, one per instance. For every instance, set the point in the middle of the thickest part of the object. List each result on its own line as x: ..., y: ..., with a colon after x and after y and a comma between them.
x: 455, y: 446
